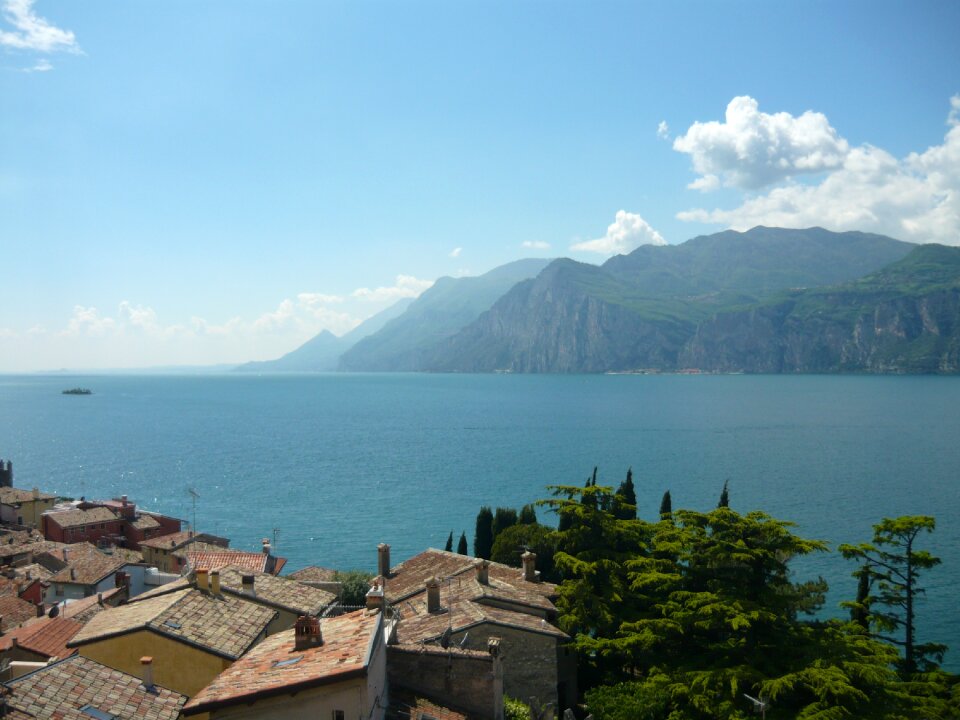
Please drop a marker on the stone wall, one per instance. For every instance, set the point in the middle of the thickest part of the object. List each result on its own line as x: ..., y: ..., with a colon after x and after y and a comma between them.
x: 461, y: 680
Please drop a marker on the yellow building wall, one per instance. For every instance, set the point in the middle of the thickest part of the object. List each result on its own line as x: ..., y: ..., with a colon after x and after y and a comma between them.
x: 318, y: 703
x: 176, y: 666
x: 31, y: 510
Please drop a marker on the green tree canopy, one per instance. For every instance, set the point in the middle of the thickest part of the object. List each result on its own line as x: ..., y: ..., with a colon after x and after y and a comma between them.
x: 528, y: 515
x: 889, y: 586
x: 504, y: 518
x: 539, y: 539
x: 462, y: 545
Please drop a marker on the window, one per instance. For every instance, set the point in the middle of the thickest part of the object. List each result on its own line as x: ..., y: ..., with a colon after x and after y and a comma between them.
x: 338, y: 715
x: 59, y: 589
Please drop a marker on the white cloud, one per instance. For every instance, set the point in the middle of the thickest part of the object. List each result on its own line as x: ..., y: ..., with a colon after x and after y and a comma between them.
x: 456, y: 252
x: 752, y: 149
x: 663, y: 130
x: 916, y: 198
x: 314, y: 299
x: 42, y: 65
x: 954, y: 117
x: 535, y: 244
x: 406, y: 286
x: 627, y: 232
x: 87, y: 321
x: 32, y: 32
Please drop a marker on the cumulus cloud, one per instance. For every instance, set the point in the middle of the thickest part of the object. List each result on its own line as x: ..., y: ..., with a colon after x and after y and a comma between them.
x: 32, y: 32
x: 88, y: 321
x: 663, y: 130
x: 627, y: 232
x: 42, y: 65
x: 405, y: 286
x: 915, y: 198
x: 752, y: 149
x: 535, y: 244
x: 456, y: 252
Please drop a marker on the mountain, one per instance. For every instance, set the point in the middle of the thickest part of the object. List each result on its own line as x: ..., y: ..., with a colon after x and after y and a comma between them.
x: 441, y: 311
x: 904, y: 318
x: 640, y: 311
x: 322, y: 352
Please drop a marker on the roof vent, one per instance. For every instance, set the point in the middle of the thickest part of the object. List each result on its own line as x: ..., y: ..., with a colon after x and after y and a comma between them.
x: 307, y: 633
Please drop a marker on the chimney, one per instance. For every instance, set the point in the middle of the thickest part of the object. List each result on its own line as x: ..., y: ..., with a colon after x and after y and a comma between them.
x: 530, y: 573
x: 266, y: 546
x: 215, y: 582
x: 375, y: 595
x: 202, y: 580
x: 247, y: 584
x: 433, y: 595
x: 146, y: 669
x: 40, y: 612
x: 307, y: 633
x: 483, y: 572
x: 65, y: 555
x: 73, y: 573
x: 383, y: 560
x: 123, y: 499
x: 100, y: 599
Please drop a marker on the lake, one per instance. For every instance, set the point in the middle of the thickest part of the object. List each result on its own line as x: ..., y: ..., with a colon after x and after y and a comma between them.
x: 332, y: 464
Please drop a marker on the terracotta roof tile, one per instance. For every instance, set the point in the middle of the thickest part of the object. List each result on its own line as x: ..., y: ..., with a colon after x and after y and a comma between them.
x: 278, y: 591
x: 83, y: 610
x: 37, y: 547
x: 405, y: 705
x: 11, y: 496
x: 145, y: 522
x: 77, y: 517
x: 86, y: 565
x: 58, y: 691
x: 177, y: 540
x: 15, y: 611
x: 256, y: 562
x: 45, y: 636
x: 314, y: 574
x: 224, y: 625
x: 346, y: 639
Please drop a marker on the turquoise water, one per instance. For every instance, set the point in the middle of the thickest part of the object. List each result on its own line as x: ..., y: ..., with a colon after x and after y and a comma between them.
x: 339, y: 462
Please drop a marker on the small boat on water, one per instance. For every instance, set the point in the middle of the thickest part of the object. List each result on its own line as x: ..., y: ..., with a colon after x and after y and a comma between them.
x: 78, y: 391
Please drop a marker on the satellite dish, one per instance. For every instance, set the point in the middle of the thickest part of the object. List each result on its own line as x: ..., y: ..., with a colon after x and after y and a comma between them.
x: 54, y: 611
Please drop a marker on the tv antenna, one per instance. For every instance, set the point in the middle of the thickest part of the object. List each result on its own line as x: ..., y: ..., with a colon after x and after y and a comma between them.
x: 276, y: 531
x: 759, y: 706
x: 194, y: 495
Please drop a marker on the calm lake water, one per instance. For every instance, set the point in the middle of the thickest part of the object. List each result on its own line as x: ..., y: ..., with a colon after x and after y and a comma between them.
x: 337, y: 463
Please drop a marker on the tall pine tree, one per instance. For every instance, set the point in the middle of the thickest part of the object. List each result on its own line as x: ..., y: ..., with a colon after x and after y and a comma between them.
x: 462, y: 545
x: 626, y: 508
x: 666, y: 506
x: 724, y: 496
x: 449, y: 546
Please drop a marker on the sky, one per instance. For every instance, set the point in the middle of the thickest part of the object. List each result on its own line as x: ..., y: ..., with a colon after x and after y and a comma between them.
x: 193, y: 183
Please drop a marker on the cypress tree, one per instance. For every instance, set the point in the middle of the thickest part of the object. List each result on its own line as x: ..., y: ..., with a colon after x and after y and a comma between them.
x: 724, y: 496
x: 666, y: 507
x: 462, y: 545
x: 505, y: 517
x: 528, y: 516
x: 449, y: 546
x: 627, y: 495
x: 483, y: 539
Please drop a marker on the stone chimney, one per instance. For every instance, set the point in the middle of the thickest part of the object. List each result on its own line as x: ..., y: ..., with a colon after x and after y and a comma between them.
x: 73, y: 573
x: 65, y: 554
x: 383, y: 560
x: 40, y: 611
x: 266, y: 546
x: 530, y: 573
x: 483, y: 572
x: 215, y: 582
x: 307, y: 633
x: 375, y: 595
x: 247, y: 585
x: 146, y: 670
x: 203, y: 581
x: 433, y: 595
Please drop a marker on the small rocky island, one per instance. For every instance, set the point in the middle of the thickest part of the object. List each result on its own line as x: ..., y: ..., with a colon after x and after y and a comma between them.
x: 78, y: 391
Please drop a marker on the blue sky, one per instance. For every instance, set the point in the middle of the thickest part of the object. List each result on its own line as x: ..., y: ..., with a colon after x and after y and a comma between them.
x: 192, y: 183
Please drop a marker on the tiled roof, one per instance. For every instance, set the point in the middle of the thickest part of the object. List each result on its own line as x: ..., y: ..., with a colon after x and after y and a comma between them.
x: 255, y: 562
x: 125, y: 554
x: 9, y: 550
x: 86, y: 565
x: 409, y: 577
x: 12, y: 496
x: 257, y: 674
x: 15, y: 611
x: 145, y: 522
x: 58, y: 691
x: 33, y: 571
x: 175, y: 541
x: 278, y: 591
x: 405, y: 705
x: 179, y: 584
x: 224, y: 625
x: 83, y: 610
x: 76, y: 518
x: 45, y: 636
x: 314, y: 574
